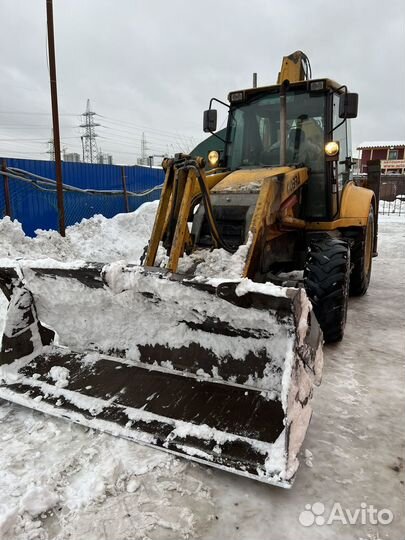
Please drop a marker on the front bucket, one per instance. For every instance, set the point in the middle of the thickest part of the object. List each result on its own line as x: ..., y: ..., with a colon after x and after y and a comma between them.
x: 220, y: 372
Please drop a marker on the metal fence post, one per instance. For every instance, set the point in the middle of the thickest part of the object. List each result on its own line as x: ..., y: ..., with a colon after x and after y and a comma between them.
x: 7, y: 197
x: 124, y: 189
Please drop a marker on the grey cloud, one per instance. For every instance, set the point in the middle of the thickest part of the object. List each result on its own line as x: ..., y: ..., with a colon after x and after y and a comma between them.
x: 156, y: 64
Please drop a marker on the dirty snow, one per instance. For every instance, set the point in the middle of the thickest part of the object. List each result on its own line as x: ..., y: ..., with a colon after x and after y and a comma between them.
x: 217, y: 264
x: 59, y: 480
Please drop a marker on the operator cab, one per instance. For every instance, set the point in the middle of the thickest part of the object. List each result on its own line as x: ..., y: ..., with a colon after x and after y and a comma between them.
x: 253, y: 136
x: 316, y: 113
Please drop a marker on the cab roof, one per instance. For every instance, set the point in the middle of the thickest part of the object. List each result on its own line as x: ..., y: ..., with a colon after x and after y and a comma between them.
x: 328, y: 84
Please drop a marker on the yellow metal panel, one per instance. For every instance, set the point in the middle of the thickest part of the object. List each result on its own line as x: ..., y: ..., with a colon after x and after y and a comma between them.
x: 241, y: 179
x: 356, y: 202
x: 295, y: 223
x: 181, y: 233
x: 293, y: 179
x: 337, y: 224
x: 211, y: 180
x: 276, y: 188
x: 264, y: 216
x: 354, y: 209
x: 291, y: 68
x: 161, y: 214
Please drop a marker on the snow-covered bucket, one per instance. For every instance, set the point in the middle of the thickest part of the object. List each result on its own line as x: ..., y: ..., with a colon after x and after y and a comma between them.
x: 219, y: 371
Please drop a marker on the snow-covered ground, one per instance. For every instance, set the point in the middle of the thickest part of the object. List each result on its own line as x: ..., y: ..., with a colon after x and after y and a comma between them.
x: 60, y: 481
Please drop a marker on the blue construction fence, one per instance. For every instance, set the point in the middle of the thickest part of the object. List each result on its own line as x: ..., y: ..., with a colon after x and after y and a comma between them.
x: 89, y: 189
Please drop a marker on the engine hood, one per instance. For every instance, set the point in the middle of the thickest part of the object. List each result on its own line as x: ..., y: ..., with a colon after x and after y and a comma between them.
x: 248, y: 179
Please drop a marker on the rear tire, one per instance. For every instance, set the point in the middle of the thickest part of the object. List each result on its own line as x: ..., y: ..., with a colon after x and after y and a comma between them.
x: 326, y: 280
x: 361, y: 255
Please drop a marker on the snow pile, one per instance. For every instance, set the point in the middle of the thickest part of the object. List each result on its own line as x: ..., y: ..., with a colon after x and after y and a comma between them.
x: 217, y: 264
x: 96, y: 239
x: 247, y: 285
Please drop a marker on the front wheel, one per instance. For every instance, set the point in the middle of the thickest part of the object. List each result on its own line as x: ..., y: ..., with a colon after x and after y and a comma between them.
x: 326, y: 280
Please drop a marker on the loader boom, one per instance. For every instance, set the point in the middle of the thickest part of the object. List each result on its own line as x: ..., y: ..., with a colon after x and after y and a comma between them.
x: 186, y: 185
x: 294, y: 68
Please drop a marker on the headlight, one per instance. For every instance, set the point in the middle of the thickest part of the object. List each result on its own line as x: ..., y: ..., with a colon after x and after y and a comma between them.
x: 213, y: 158
x: 235, y: 97
x: 332, y: 148
x: 316, y: 86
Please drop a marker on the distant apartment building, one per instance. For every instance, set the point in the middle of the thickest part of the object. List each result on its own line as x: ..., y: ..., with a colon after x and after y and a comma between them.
x: 145, y: 161
x: 71, y: 156
x: 390, y: 153
x: 104, y: 159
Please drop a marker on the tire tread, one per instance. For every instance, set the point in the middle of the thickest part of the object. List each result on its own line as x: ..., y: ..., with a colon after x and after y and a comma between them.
x: 326, y: 276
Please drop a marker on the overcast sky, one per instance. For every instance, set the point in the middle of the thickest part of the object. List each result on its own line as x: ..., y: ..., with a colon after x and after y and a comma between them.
x: 152, y: 66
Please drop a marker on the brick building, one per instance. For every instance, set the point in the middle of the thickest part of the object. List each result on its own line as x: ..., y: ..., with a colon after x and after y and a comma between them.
x: 391, y: 154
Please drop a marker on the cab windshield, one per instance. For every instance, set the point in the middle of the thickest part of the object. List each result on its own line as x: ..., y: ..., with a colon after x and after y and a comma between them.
x: 253, y: 138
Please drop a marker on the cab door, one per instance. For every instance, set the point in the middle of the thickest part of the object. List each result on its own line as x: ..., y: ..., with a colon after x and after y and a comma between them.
x: 339, y: 175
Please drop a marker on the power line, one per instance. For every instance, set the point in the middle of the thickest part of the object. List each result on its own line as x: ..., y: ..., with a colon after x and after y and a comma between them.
x: 129, y: 141
x: 185, y: 144
x: 130, y: 136
x: 123, y: 134
x: 143, y: 128
x: 21, y: 152
x: 25, y: 113
x: 159, y: 144
x: 30, y: 126
x: 116, y: 121
x: 164, y: 135
x: 137, y: 146
x: 158, y: 138
x: 36, y: 141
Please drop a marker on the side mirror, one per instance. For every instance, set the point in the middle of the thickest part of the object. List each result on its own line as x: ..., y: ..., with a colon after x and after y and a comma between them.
x: 348, y: 105
x: 210, y: 121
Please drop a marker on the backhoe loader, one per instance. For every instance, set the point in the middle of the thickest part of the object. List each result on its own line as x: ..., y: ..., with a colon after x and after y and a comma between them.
x: 210, y: 346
